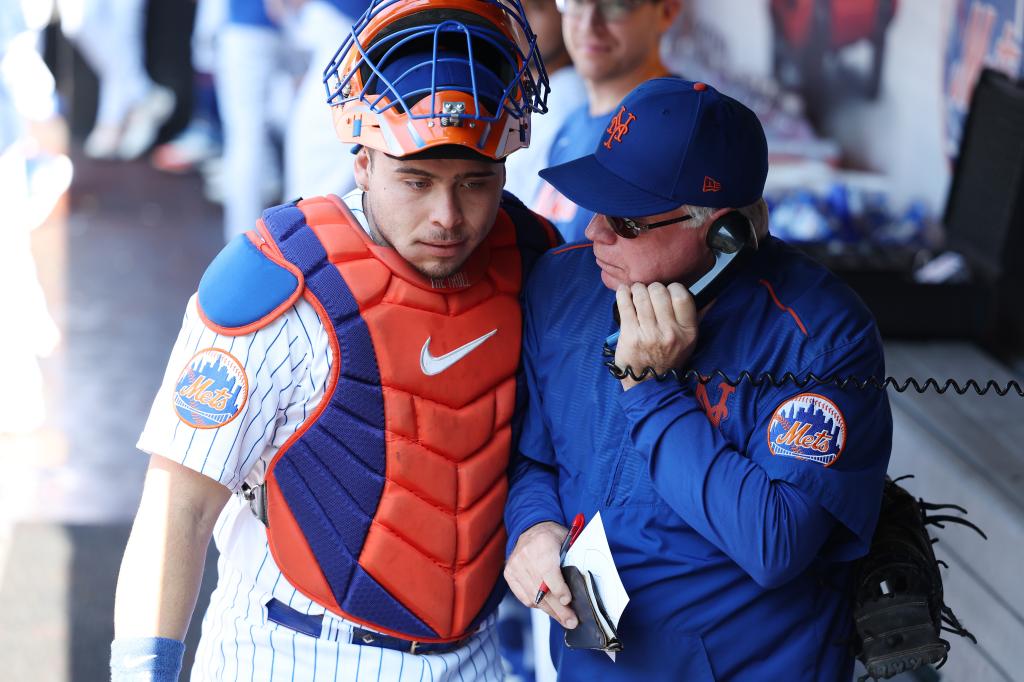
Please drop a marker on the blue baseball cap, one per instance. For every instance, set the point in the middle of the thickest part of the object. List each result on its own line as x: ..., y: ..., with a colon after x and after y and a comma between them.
x: 670, y: 142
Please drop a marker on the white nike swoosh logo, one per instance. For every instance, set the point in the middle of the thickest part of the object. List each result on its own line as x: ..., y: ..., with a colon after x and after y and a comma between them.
x: 431, y: 365
x: 129, y: 662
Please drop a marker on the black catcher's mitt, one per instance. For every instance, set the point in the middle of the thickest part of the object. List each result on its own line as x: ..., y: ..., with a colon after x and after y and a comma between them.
x: 898, y: 610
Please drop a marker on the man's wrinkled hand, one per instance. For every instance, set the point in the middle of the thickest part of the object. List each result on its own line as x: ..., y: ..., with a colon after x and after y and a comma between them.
x: 659, y: 328
x: 535, y: 560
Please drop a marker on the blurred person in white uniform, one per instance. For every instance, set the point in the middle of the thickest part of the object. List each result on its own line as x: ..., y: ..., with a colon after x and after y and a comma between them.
x: 250, y: 55
x: 31, y: 182
x: 255, y: 50
x: 567, y: 95
x: 311, y: 166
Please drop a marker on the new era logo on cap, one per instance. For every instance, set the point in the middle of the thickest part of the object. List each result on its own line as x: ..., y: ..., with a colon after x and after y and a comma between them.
x: 618, y: 127
x: 711, y: 185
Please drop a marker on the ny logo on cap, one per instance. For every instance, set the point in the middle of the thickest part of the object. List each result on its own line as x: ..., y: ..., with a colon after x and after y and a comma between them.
x: 617, y: 128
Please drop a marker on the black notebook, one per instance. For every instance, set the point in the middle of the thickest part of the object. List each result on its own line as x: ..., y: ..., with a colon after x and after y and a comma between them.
x: 595, y: 629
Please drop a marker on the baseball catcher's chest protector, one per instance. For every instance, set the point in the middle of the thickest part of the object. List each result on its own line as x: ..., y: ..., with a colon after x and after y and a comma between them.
x: 385, y: 507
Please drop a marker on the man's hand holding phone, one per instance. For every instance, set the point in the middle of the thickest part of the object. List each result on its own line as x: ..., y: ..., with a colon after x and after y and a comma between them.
x: 658, y: 328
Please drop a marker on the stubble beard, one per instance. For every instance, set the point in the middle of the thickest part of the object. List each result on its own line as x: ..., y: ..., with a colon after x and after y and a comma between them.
x: 440, y: 271
x: 430, y: 271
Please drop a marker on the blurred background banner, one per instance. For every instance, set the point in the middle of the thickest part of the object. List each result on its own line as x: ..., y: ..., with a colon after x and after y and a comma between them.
x: 982, y: 33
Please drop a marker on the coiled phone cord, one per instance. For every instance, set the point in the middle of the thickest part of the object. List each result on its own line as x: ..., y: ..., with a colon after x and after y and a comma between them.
x: 769, y: 379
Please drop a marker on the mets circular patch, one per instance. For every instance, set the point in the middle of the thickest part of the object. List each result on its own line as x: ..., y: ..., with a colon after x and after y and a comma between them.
x: 808, y: 426
x: 211, y: 390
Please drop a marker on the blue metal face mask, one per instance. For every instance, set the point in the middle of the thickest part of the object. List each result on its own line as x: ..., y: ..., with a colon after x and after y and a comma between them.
x: 400, y: 52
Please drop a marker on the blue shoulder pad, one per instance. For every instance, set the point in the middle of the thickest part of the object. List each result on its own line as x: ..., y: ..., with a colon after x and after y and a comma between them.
x: 243, y: 287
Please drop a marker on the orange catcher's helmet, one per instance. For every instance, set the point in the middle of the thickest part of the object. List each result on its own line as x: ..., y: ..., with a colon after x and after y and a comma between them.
x: 418, y: 74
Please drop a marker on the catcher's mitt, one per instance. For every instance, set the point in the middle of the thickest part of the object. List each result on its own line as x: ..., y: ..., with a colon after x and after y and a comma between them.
x: 898, y: 610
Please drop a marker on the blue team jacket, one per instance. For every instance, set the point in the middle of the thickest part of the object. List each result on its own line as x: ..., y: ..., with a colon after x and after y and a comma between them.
x: 732, y: 514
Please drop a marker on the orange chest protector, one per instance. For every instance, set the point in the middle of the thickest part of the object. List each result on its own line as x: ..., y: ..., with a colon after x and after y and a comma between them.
x: 385, y: 506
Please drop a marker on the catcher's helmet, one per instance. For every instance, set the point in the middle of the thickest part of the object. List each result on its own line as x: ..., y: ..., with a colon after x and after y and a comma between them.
x: 417, y: 74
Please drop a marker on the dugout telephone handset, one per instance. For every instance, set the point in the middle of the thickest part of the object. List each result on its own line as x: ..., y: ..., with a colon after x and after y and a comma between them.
x: 732, y: 240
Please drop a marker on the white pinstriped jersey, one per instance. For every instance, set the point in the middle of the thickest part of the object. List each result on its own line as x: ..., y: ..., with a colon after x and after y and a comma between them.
x: 287, y: 365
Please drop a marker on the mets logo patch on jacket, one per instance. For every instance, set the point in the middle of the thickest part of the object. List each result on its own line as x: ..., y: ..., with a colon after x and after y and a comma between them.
x: 808, y: 426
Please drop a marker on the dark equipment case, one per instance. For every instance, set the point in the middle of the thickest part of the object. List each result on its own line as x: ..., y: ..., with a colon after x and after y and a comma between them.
x: 984, y: 222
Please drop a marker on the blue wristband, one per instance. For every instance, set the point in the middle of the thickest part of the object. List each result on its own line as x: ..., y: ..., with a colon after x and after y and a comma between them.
x: 145, y: 659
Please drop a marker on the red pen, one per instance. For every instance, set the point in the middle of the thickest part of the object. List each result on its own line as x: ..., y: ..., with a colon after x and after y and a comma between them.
x: 570, y: 537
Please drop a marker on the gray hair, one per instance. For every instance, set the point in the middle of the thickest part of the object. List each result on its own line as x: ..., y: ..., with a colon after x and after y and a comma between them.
x: 756, y: 213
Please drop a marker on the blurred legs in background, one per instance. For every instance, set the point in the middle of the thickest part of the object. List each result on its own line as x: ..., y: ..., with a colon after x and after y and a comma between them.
x: 202, y: 139
x: 247, y: 59
x: 132, y: 108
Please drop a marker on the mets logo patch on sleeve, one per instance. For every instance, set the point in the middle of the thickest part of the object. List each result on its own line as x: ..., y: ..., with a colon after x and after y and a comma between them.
x: 211, y: 390
x: 808, y: 426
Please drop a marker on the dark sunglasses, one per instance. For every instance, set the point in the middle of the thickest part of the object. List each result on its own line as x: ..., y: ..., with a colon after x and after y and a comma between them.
x: 627, y: 228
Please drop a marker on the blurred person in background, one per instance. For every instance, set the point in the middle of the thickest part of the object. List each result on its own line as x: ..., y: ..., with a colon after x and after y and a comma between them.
x: 110, y: 34
x: 311, y: 164
x: 288, y: 147
x: 567, y: 95
x: 28, y: 110
x: 615, y: 46
x: 250, y: 55
x: 202, y: 139
x: 31, y: 182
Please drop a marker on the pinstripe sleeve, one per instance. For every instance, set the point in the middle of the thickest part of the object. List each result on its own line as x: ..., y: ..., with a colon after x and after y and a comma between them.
x: 227, y: 402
